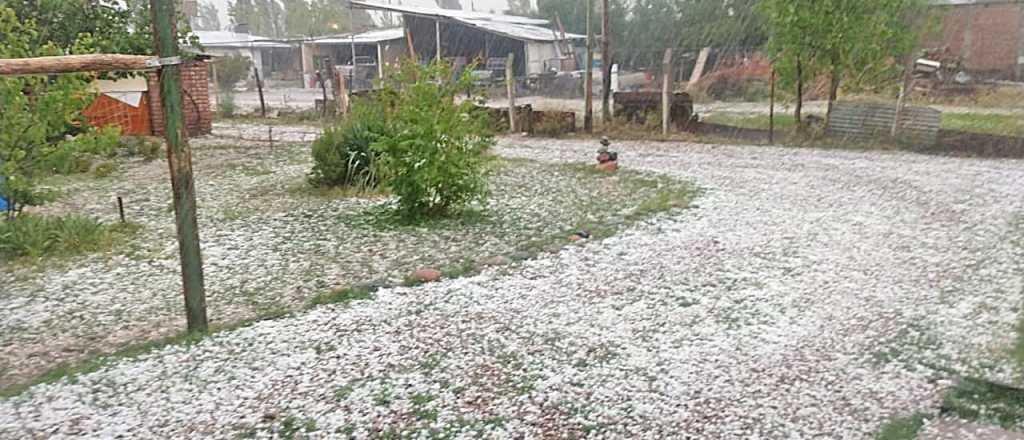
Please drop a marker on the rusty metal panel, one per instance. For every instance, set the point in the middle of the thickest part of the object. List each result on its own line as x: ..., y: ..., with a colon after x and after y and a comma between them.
x: 872, y: 121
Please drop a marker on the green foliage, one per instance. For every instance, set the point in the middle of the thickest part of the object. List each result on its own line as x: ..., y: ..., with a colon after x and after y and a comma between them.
x: 76, y: 154
x: 105, y: 169
x: 37, y: 111
x: 431, y: 154
x: 142, y: 146
x: 321, y: 17
x: 109, y: 27
x: 343, y: 155
x: 978, y: 400
x: 644, y: 28
x: 850, y: 40
x: 232, y: 69
x: 208, y: 18
x: 903, y: 428
x: 226, y: 104
x: 36, y: 236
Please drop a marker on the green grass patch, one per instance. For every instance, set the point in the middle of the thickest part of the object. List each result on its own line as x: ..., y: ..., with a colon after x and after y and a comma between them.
x: 344, y: 295
x: 983, y: 401
x: 34, y: 236
x: 902, y: 428
x: 752, y: 121
x: 1001, y: 125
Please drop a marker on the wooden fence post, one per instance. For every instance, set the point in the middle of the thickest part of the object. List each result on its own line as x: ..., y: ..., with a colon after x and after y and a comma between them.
x: 588, y: 77
x: 259, y: 87
x: 666, y: 90
x: 179, y: 158
x: 510, y: 84
x: 771, y: 110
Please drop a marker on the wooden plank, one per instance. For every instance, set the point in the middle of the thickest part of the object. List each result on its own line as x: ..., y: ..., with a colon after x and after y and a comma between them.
x: 76, y: 63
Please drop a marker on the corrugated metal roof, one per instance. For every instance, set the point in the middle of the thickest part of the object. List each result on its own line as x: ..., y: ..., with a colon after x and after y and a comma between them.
x: 518, y: 31
x: 236, y: 40
x: 369, y: 37
x: 448, y: 13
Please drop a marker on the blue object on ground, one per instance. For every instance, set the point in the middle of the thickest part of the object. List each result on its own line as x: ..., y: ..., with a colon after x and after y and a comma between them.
x: 3, y: 201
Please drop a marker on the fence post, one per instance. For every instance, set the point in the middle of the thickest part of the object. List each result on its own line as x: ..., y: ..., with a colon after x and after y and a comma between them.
x: 179, y: 158
x: 259, y: 87
x: 666, y: 90
x: 588, y: 79
x: 771, y: 110
x: 510, y: 84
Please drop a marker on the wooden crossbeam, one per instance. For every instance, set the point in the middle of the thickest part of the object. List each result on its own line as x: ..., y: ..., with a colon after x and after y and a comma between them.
x: 76, y: 64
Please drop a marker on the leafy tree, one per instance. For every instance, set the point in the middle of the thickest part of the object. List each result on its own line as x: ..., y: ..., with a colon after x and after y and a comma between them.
x: 208, y: 19
x: 112, y: 27
x: 643, y: 29
x: 322, y: 17
x: 849, y: 40
x: 37, y: 111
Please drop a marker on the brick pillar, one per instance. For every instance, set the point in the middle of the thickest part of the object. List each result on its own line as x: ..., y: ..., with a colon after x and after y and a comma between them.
x: 195, y: 100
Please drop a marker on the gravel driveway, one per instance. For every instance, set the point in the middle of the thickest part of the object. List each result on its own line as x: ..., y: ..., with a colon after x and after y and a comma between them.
x: 809, y: 294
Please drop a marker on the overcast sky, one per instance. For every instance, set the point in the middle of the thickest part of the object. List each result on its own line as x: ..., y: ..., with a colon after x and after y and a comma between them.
x: 496, y: 6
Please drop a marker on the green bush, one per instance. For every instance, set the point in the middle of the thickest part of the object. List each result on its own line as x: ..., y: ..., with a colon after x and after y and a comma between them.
x: 35, y: 111
x: 141, y: 146
x: 343, y: 156
x: 431, y: 154
x: 36, y: 236
x: 104, y: 169
x: 232, y: 69
x: 75, y: 155
x: 226, y: 104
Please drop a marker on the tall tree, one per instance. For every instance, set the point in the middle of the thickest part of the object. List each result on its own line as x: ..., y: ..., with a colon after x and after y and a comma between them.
x: 849, y: 40
x: 207, y: 19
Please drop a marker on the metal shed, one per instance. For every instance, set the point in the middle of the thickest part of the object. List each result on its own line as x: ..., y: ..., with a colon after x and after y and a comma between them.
x: 433, y: 33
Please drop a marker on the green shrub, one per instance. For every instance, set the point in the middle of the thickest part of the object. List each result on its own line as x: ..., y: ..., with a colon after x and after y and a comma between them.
x: 141, y: 146
x: 226, y: 104
x: 35, y: 111
x: 232, y: 69
x: 75, y: 155
x: 36, y: 236
x: 431, y: 154
x: 104, y: 169
x: 343, y: 156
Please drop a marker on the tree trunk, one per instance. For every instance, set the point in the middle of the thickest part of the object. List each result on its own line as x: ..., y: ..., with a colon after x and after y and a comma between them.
x: 833, y: 94
x: 799, y: 95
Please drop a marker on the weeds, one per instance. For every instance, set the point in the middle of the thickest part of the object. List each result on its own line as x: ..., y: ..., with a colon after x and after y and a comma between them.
x: 35, y: 236
x: 344, y: 295
x: 978, y: 400
x: 902, y: 428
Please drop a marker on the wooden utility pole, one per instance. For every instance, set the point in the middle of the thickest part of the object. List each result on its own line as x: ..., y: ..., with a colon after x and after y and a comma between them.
x: 510, y: 84
x: 588, y: 78
x: 666, y: 91
x: 179, y: 157
x: 606, y: 65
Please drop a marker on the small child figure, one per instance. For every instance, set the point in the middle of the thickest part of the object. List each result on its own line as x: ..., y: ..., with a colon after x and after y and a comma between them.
x: 607, y: 160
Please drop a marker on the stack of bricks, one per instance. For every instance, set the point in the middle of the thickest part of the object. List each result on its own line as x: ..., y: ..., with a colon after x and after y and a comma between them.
x: 195, y: 100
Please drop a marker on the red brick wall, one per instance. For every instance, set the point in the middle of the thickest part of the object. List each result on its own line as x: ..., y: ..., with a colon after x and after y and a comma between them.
x: 988, y: 37
x: 195, y: 100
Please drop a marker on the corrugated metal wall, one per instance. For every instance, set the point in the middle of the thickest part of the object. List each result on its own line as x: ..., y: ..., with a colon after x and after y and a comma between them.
x: 868, y: 121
